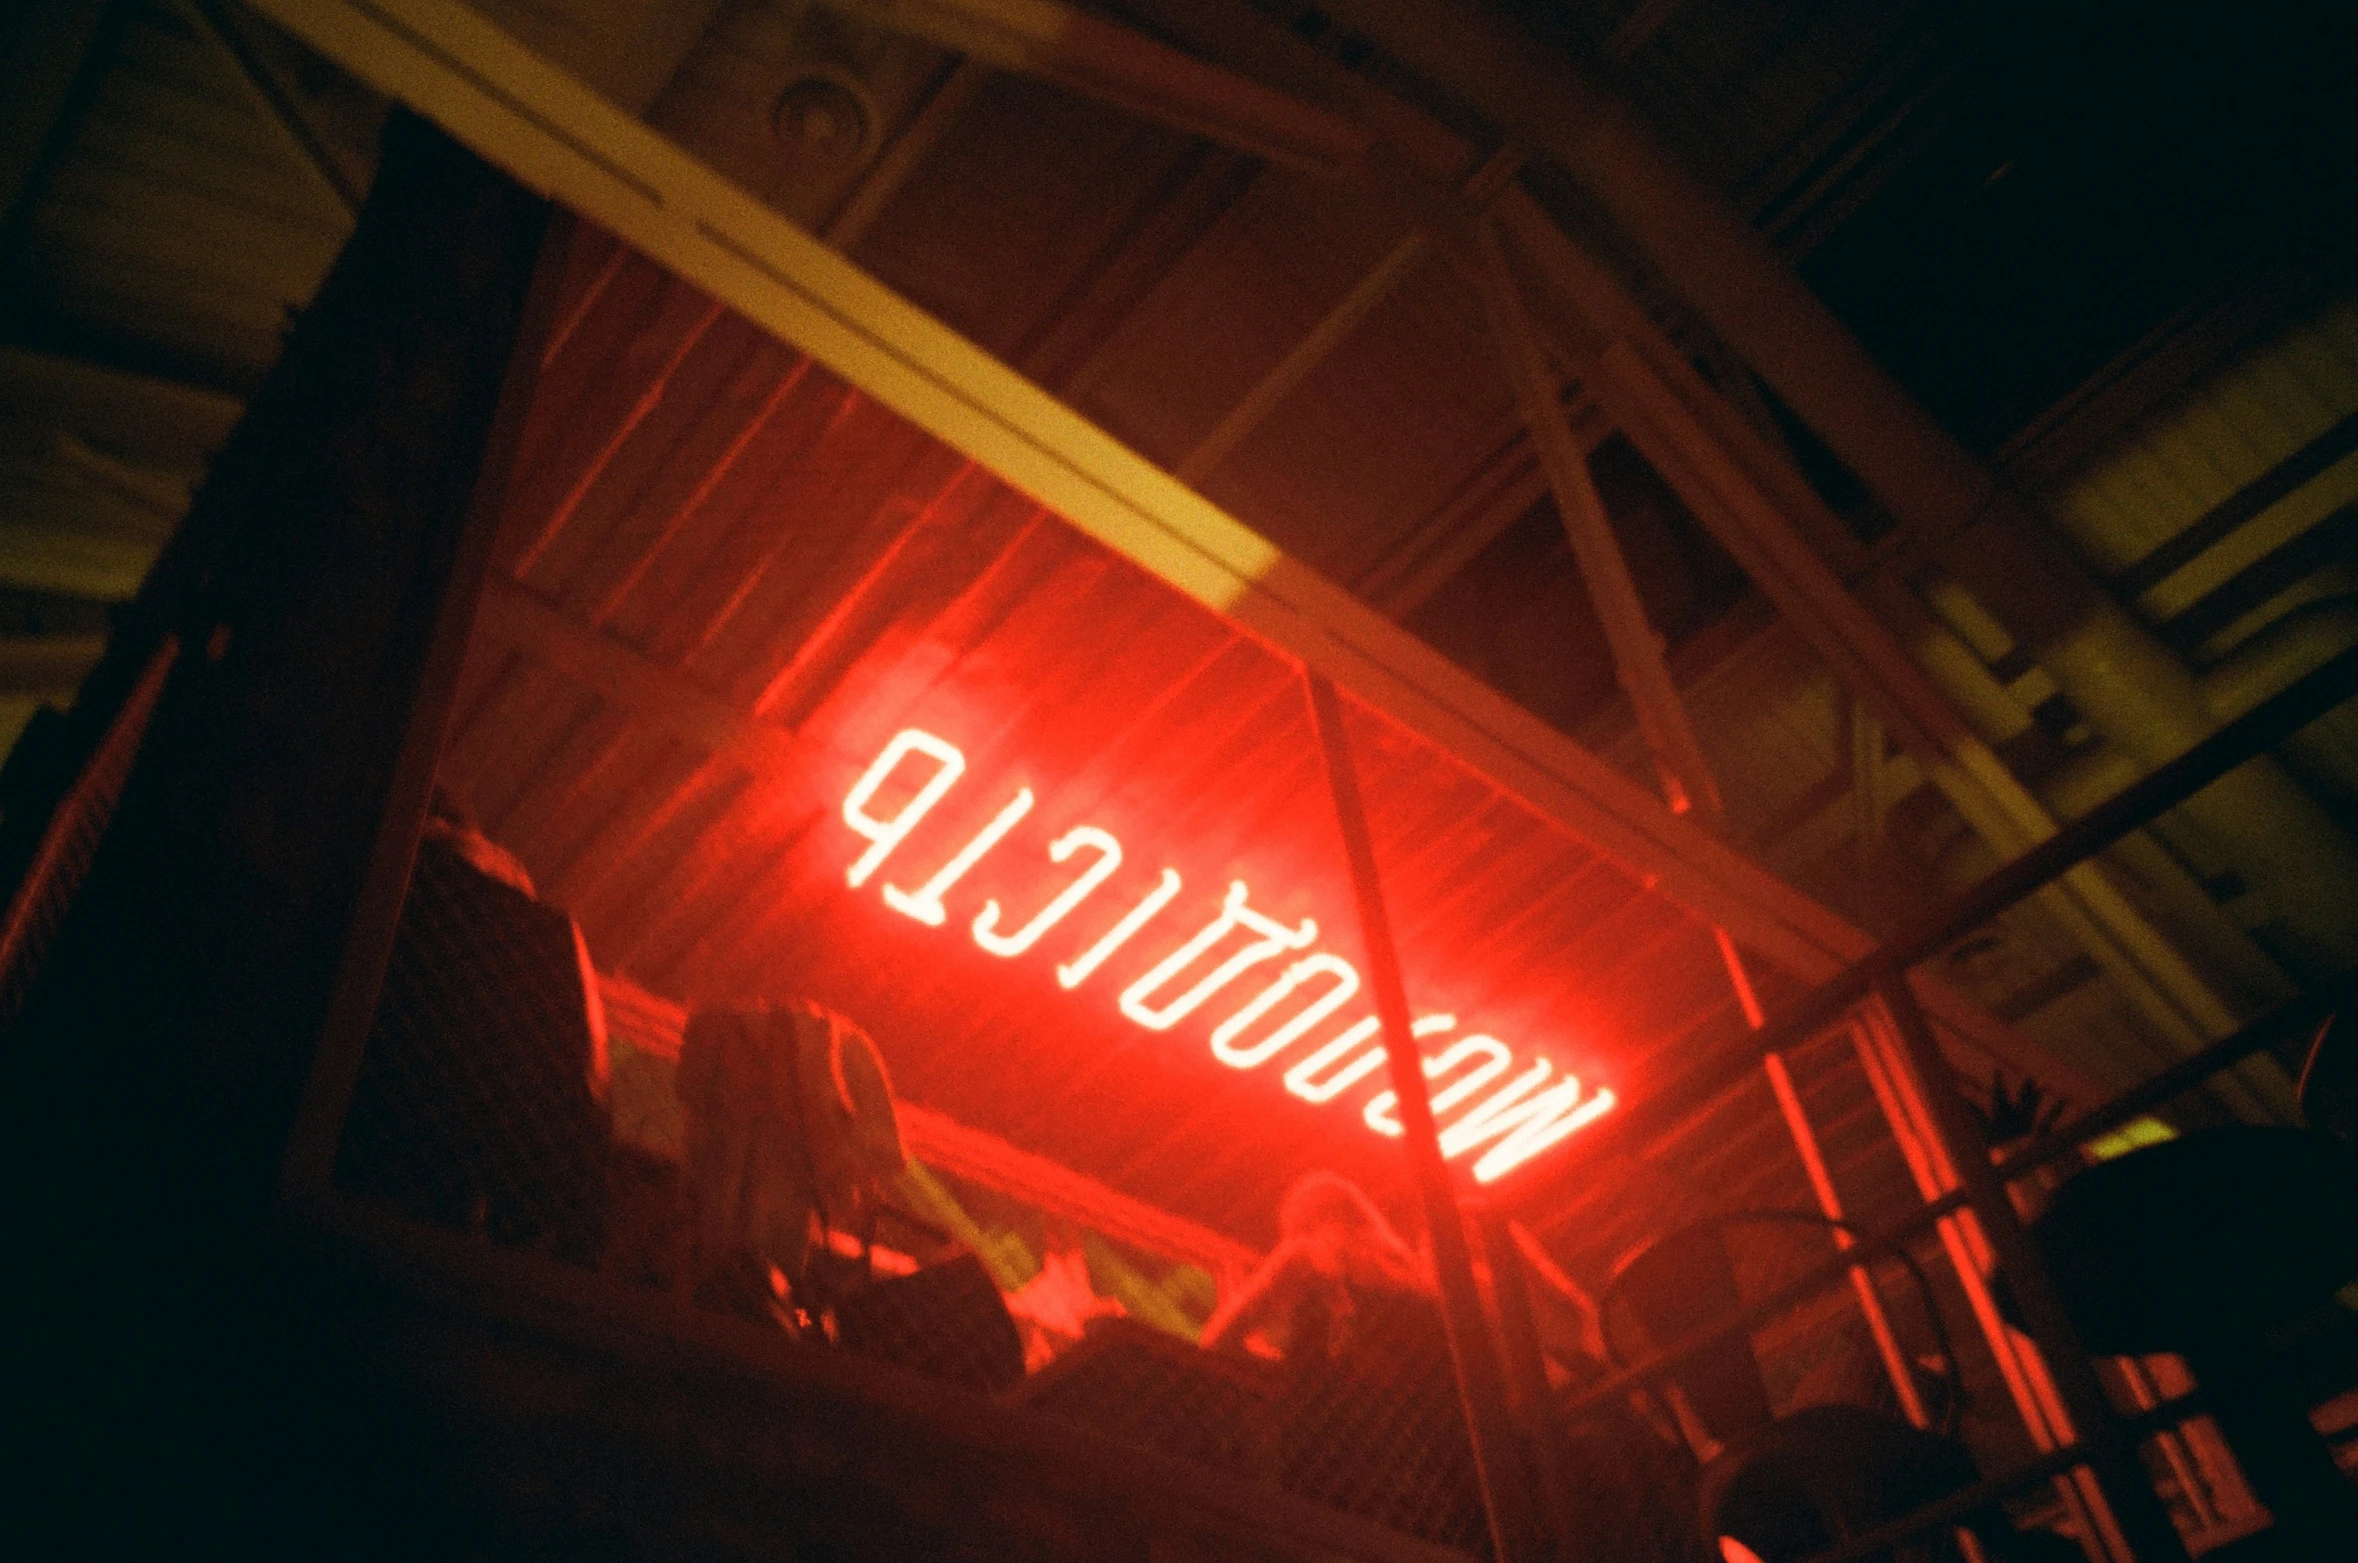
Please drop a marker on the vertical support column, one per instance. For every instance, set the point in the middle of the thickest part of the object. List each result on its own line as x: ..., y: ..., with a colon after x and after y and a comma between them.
x: 1669, y: 734
x: 1481, y: 1388
x: 2027, y: 1383
x: 274, y: 801
x: 2112, y: 1454
x: 1862, y: 1285
x: 1526, y: 1365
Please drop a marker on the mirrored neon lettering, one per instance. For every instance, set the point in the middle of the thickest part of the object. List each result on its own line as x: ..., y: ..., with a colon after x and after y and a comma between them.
x: 1276, y: 938
x: 1383, y: 1110
x: 1311, y: 1079
x: 1517, y: 1121
x: 1080, y: 837
x: 1522, y: 1128
x: 884, y: 835
x: 1074, y: 973
x: 1346, y: 984
x: 1303, y: 1079
x: 926, y: 904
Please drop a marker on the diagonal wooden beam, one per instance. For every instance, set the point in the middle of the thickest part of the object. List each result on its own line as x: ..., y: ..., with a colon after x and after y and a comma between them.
x: 53, y: 56
x: 1103, y: 60
x: 2149, y: 969
x: 1238, y: 34
x: 1663, y: 722
x: 1335, y: 327
x: 1499, y: 493
x: 278, y: 104
x: 919, y: 137
x: 514, y: 617
x: 1662, y: 719
x: 1750, y: 499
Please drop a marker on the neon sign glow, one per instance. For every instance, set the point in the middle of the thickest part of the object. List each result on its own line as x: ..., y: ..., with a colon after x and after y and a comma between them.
x: 1516, y: 1121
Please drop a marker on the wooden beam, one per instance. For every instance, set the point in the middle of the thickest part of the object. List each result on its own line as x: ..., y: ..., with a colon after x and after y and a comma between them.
x: 1481, y: 1386
x: 1334, y: 328
x: 53, y: 54
x: 1750, y: 498
x: 277, y: 103
x: 1750, y: 524
x: 1662, y: 718
x: 514, y: 616
x: 1305, y: 357
x: 1238, y: 34
x: 1637, y: 650
x: 892, y: 169
x: 1129, y: 70
x: 1500, y: 493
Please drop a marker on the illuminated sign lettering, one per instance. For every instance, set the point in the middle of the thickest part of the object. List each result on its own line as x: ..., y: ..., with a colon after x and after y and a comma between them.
x: 926, y: 904
x: 1073, y: 975
x: 1109, y: 858
x: 1275, y: 940
x: 1515, y: 1121
x: 884, y: 835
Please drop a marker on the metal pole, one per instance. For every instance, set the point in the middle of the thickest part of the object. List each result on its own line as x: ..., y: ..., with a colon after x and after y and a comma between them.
x: 1481, y: 1388
x: 2112, y: 1453
x: 1526, y: 1365
x: 1862, y: 1284
x: 2028, y: 1384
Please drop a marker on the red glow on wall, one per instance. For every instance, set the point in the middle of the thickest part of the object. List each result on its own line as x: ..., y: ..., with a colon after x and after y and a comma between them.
x: 1496, y: 1107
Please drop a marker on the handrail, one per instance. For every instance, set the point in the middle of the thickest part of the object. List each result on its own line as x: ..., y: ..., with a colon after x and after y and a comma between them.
x: 2295, y: 1015
x: 2232, y: 745
x: 1849, y: 1261
x: 1637, y: 1124
x: 1957, y: 1505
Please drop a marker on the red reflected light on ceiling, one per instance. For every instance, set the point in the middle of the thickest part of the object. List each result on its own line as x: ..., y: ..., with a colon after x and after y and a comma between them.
x: 1484, y: 1102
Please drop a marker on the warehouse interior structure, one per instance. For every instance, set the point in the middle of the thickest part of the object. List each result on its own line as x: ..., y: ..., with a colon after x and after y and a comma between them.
x: 1773, y: 583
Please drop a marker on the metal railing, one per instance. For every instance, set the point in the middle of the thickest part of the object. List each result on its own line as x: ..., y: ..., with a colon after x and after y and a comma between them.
x: 2105, y: 1436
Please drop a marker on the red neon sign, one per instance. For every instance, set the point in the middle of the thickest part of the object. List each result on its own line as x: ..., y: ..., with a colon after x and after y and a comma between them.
x: 1522, y: 1114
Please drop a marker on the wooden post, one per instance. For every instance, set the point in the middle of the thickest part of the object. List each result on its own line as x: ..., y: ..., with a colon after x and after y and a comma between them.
x: 2027, y: 1382
x: 2144, y: 1525
x: 1662, y: 717
x: 1526, y: 1365
x: 266, y: 824
x: 1862, y: 1284
x: 1333, y: 329
x: 1481, y: 1389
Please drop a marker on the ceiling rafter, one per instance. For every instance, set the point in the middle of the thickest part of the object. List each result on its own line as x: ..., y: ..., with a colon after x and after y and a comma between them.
x: 1102, y: 60
x: 1335, y: 326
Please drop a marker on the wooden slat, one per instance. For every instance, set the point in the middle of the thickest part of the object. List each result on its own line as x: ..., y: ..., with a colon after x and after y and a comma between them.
x: 1129, y: 70
x: 512, y: 616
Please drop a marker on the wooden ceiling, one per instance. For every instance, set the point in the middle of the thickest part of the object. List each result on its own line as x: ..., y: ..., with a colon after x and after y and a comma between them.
x: 754, y: 534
